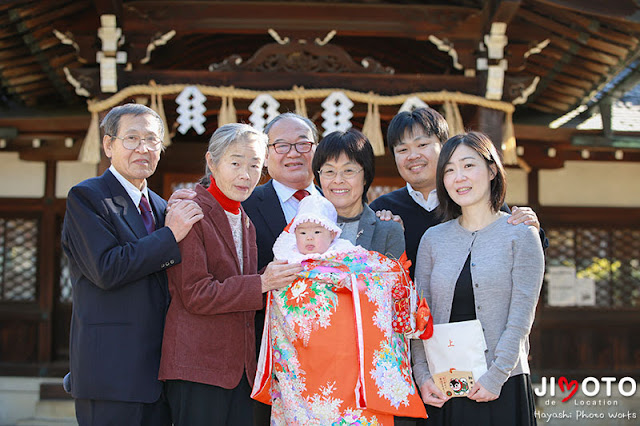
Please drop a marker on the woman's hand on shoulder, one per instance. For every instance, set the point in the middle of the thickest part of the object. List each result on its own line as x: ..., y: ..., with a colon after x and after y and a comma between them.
x: 480, y: 394
x: 432, y: 395
x: 278, y: 274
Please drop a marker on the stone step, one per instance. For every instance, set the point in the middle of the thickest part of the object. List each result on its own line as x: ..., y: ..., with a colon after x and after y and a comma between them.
x: 43, y: 421
x: 52, y: 412
x: 55, y: 408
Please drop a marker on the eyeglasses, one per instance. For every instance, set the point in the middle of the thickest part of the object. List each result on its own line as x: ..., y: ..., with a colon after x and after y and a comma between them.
x: 153, y: 143
x: 284, y: 148
x: 346, y: 173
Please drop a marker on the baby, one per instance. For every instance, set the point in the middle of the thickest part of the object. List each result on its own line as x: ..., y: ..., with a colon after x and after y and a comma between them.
x: 313, y: 238
x: 313, y: 233
x: 347, y: 297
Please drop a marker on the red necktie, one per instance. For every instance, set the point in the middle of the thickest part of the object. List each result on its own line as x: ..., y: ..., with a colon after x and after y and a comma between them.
x: 300, y: 194
x: 147, y: 215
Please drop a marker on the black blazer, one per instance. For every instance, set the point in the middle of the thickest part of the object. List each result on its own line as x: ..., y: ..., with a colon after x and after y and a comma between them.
x: 120, y: 294
x: 264, y: 210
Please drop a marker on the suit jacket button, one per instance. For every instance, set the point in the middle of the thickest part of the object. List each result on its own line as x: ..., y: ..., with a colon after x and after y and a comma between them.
x: 171, y: 261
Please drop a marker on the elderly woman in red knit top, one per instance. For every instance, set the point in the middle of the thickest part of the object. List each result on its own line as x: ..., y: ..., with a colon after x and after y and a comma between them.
x: 208, y: 352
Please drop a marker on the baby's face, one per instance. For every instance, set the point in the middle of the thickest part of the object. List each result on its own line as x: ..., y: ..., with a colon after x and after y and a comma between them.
x: 313, y: 238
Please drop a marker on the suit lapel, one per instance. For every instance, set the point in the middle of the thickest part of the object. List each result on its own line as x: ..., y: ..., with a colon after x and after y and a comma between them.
x: 157, y: 205
x: 245, y: 243
x: 158, y: 208
x: 271, y: 210
x: 221, y: 221
x: 366, y: 227
x: 129, y: 212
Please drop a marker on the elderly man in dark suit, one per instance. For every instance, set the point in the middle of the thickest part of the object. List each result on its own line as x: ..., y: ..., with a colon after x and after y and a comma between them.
x: 292, y: 143
x: 119, y: 244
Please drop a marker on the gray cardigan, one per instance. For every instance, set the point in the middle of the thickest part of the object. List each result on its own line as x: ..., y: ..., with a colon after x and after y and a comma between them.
x: 385, y: 237
x: 507, y: 267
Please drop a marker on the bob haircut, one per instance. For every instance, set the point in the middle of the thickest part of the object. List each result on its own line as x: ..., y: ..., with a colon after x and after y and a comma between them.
x: 481, y: 144
x: 428, y: 120
x: 354, y: 145
x: 226, y: 136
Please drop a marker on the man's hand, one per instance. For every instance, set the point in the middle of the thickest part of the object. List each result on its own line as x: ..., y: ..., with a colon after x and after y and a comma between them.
x: 480, y: 394
x: 180, y: 195
x: 182, y: 217
x: 524, y: 215
x: 279, y: 274
x: 386, y: 216
x: 432, y: 395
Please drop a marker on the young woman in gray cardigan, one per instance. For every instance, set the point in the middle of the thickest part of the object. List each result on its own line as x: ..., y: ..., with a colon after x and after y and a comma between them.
x: 476, y: 265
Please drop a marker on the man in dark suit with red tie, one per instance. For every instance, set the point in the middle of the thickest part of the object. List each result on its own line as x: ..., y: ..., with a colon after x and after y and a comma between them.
x: 119, y: 244
x: 292, y: 143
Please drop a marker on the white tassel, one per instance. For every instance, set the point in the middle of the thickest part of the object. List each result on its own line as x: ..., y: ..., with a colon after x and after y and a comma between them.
x: 158, y: 107
x: 372, y: 129
x: 301, y: 106
x: 453, y: 117
x: 509, y: 153
x: 90, y: 151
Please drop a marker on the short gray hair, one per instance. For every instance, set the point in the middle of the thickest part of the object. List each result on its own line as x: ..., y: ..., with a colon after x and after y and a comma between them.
x: 229, y: 135
x: 305, y: 120
x: 111, y: 122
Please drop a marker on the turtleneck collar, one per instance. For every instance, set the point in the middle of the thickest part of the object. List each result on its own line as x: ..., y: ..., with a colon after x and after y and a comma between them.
x: 227, y: 203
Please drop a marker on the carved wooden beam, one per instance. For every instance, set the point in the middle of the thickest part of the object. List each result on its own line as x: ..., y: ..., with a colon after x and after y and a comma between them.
x: 411, y: 21
x: 546, y: 148
x: 491, y: 62
x: 109, y: 7
x: 504, y: 11
x: 385, y: 84
x: 301, y: 56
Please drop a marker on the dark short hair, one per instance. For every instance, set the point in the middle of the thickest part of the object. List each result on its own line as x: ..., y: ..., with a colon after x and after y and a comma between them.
x: 481, y: 144
x: 111, y: 122
x: 305, y: 120
x: 355, y: 146
x: 427, y: 119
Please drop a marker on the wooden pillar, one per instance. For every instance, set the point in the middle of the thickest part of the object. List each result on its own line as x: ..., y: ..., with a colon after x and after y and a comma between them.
x: 47, y: 271
x: 533, y: 189
x: 490, y: 122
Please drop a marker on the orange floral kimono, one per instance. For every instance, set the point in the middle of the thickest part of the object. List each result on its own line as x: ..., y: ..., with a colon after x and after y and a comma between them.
x: 334, y: 350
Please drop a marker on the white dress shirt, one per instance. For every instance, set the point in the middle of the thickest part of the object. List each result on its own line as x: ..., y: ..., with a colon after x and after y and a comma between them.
x: 134, y: 193
x: 429, y: 204
x: 287, y: 201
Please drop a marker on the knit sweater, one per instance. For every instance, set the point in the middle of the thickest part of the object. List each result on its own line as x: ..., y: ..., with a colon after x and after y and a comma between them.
x: 507, y: 267
x: 416, y: 219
